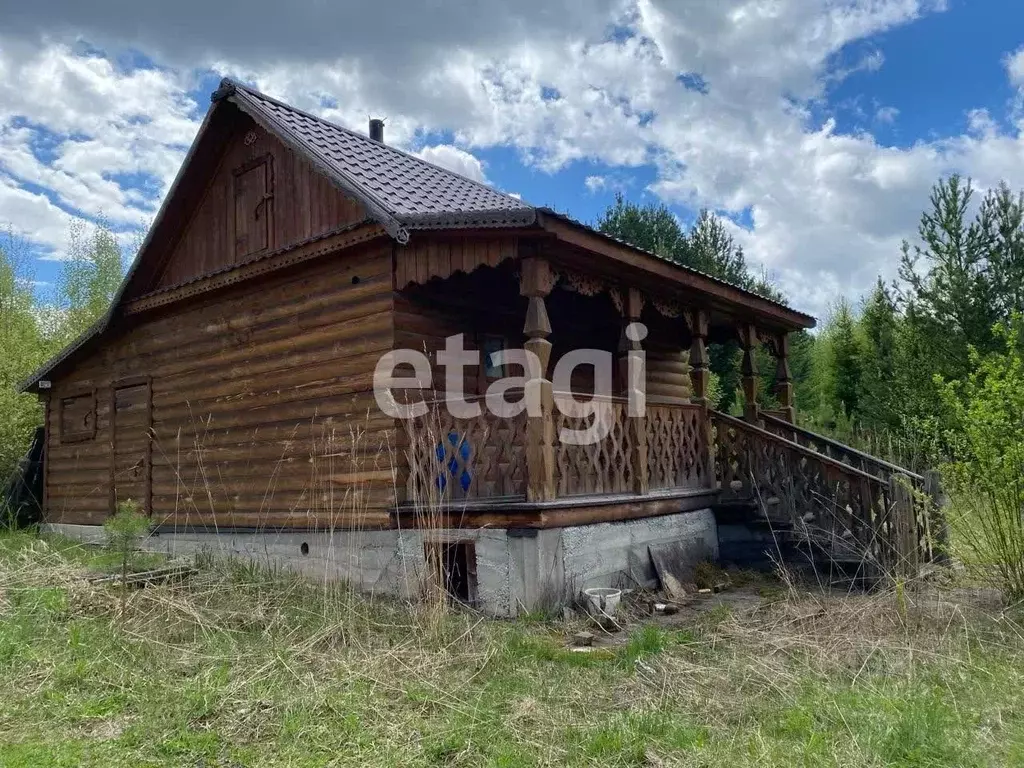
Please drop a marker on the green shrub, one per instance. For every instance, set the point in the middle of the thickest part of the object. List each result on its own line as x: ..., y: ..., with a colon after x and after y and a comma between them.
x: 986, y: 477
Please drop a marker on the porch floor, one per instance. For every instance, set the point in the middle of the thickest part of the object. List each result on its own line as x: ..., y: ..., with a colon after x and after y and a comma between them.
x: 517, y: 512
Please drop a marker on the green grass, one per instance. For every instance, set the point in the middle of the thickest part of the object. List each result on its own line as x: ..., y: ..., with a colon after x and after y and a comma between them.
x: 240, y: 668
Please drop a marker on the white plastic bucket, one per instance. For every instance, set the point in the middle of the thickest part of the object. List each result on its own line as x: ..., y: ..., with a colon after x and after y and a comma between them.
x: 603, y: 600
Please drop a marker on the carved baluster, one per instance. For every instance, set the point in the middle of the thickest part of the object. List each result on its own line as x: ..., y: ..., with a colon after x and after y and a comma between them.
x: 748, y: 342
x: 633, y: 372
x: 536, y: 283
x: 700, y: 372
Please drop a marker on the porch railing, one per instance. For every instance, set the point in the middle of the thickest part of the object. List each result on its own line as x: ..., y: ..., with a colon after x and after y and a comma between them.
x: 882, y: 519
x: 605, y: 466
x: 675, y: 436
x: 459, y: 459
x: 836, y: 450
x: 678, y: 455
x: 484, y: 457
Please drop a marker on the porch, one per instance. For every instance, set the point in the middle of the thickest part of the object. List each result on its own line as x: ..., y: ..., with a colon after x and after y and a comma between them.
x: 518, y: 471
x: 674, y: 455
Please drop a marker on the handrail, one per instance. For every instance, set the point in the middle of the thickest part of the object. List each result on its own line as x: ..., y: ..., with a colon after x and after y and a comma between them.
x: 808, y: 452
x: 886, y: 521
x: 587, y: 397
x: 841, y: 446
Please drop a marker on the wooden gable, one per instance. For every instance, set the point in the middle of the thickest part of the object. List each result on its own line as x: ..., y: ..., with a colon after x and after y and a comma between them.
x: 257, y: 197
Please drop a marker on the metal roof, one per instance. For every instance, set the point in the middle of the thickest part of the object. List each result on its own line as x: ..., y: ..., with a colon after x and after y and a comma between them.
x: 707, y: 276
x: 404, y: 191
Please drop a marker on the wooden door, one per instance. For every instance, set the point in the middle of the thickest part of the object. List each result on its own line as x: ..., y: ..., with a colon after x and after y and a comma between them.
x: 131, y: 411
x: 253, y: 208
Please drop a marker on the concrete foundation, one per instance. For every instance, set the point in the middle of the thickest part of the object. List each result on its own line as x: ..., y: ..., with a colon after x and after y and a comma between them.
x: 517, y: 570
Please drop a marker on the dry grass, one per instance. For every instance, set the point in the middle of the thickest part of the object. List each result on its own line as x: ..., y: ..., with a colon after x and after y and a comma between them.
x: 241, y: 667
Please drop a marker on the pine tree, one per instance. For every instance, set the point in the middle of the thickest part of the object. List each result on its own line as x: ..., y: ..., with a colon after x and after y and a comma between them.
x: 879, y: 399
x: 1003, y: 215
x: 651, y: 227
x: 955, y: 294
x: 845, y: 360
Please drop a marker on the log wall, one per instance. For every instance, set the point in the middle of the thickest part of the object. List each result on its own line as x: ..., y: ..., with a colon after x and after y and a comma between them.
x: 262, y: 407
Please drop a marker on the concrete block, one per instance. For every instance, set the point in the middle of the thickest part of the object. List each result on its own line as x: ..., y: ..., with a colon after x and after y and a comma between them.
x: 517, y: 570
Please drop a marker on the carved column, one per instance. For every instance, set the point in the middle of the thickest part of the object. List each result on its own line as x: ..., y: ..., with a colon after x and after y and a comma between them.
x: 634, y: 386
x: 700, y: 373
x: 536, y: 282
x: 748, y: 342
x: 784, y: 379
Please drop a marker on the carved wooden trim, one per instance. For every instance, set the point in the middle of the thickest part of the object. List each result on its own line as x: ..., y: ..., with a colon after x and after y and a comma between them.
x: 748, y: 368
x: 771, y: 341
x: 428, y: 258
x: 320, y: 246
x: 616, y: 296
x: 737, y: 299
x: 667, y: 307
x: 585, y: 285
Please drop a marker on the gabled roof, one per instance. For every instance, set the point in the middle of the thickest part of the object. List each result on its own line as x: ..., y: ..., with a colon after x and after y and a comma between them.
x: 402, y: 191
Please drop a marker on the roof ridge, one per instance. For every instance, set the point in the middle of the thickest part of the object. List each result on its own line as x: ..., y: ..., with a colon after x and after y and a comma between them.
x: 229, y: 82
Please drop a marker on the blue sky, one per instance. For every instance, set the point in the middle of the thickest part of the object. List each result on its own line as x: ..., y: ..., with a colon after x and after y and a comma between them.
x: 936, y: 69
x: 816, y: 128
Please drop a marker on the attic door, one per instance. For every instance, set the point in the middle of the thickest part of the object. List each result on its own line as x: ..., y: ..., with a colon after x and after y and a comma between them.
x: 254, y: 200
x: 131, y: 417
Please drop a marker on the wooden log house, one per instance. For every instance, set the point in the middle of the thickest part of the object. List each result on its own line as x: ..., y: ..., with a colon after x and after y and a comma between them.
x: 229, y: 387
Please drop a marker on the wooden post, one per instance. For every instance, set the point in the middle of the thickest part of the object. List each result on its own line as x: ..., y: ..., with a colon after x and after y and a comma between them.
x: 536, y: 282
x: 748, y: 342
x: 938, y: 523
x: 699, y: 370
x: 784, y: 379
x: 700, y: 373
x: 904, y: 528
x: 635, y: 389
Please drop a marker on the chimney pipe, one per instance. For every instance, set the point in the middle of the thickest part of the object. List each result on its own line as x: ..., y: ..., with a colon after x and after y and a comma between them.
x: 377, y: 129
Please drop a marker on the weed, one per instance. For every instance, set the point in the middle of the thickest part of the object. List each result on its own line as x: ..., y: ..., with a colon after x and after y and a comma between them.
x: 241, y: 666
x: 644, y: 642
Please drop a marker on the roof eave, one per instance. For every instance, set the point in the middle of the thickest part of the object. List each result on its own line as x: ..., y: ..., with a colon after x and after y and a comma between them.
x: 519, y: 217
x: 549, y: 220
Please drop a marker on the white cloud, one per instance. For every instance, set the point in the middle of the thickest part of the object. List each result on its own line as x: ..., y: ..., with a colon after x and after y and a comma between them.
x: 886, y: 114
x: 1014, y: 63
x: 546, y: 79
x: 71, y: 123
x: 454, y: 159
x: 32, y: 216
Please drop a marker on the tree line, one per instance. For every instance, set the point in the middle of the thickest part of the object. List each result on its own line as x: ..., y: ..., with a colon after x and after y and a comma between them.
x: 37, y: 321
x: 876, y: 371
